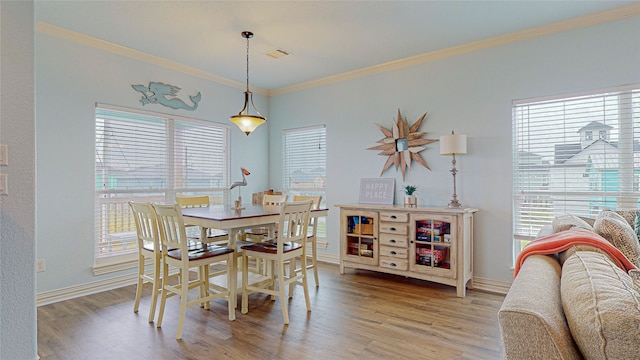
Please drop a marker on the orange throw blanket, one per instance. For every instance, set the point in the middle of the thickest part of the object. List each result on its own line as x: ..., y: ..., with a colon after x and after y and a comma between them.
x: 563, y: 240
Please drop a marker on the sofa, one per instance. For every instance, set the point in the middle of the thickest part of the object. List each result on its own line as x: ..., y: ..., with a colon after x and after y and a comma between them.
x: 578, y: 301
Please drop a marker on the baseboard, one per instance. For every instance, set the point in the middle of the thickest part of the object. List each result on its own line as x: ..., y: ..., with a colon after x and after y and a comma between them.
x: 479, y: 283
x: 53, y: 296
x: 492, y: 286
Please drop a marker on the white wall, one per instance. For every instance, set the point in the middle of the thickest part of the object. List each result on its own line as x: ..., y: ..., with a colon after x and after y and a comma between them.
x: 18, y: 335
x: 70, y: 79
x: 470, y: 94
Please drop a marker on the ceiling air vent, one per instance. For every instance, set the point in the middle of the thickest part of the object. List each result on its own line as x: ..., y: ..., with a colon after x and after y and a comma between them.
x: 277, y: 53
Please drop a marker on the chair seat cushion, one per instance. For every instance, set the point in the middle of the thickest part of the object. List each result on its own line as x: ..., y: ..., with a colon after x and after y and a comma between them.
x: 197, y: 250
x: 271, y: 247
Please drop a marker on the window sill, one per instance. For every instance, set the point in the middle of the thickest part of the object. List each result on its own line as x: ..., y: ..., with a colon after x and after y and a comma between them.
x: 115, y: 264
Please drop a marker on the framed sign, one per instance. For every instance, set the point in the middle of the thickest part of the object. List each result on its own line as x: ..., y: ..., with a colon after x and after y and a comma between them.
x: 377, y: 191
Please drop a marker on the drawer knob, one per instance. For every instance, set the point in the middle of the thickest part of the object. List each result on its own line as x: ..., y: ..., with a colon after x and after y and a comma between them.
x: 392, y: 229
x: 393, y: 253
x: 392, y: 241
x: 393, y: 264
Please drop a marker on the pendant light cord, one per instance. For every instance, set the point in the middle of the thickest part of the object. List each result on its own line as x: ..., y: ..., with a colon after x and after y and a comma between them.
x: 247, y: 63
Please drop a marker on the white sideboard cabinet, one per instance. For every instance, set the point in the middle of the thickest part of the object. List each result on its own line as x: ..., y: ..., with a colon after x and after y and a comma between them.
x: 434, y: 244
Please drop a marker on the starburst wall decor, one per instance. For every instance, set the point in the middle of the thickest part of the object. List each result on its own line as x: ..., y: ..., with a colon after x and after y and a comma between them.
x: 402, y: 144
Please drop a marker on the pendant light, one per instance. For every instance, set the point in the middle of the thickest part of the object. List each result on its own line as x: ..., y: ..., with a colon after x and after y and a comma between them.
x: 245, y: 120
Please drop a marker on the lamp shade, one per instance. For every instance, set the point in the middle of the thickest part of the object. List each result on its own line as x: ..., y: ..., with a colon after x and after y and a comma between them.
x: 453, y: 144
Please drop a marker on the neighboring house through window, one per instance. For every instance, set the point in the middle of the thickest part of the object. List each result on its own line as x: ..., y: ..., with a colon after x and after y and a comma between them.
x: 560, y: 168
x: 143, y: 156
x: 304, y: 165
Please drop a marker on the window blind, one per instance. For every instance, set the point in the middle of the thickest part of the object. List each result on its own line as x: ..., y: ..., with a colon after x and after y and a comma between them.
x: 576, y: 155
x: 304, y: 159
x: 143, y: 156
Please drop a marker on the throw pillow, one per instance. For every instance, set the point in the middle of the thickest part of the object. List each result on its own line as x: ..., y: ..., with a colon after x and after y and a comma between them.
x: 588, y: 220
x: 617, y: 231
x: 567, y: 222
x: 601, y: 307
x: 628, y: 215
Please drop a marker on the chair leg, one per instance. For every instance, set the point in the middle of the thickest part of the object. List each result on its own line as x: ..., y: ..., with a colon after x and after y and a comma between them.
x: 156, y: 281
x: 305, y: 283
x: 281, y: 290
x: 204, y: 285
x: 163, y: 298
x: 314, y: 262
x: 292, y: 273
x: 232, y: 287
x: 136, y: 304
x: 184, y: 291
x: 245, y: 280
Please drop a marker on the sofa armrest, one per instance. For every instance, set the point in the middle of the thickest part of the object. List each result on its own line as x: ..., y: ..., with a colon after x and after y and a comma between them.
x: 532, y: 322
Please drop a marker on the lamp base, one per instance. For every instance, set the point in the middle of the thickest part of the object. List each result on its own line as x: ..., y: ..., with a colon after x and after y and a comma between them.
x: 454, y: 204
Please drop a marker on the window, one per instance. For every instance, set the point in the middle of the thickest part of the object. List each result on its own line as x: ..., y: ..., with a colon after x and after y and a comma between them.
x: 151, y: 157
x: 555, y: 172
x: 304, y: 159
x: 588, y: 135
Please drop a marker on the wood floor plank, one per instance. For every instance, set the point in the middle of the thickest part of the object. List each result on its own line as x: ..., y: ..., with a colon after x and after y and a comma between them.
x: 358, y: 315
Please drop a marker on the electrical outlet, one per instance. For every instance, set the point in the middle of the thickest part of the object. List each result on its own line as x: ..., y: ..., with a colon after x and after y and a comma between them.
x: 40, y: 265
x: 3, y: 184
x: 4, y: 160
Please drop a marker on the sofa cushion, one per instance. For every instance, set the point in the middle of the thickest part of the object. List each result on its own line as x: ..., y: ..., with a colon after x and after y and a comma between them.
x: 618, y: 232
x: 601, y: 307
x: 567, y: 222
x: 635, y: 278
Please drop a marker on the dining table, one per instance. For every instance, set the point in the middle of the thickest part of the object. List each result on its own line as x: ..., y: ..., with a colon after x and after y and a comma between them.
x: 235, y: 221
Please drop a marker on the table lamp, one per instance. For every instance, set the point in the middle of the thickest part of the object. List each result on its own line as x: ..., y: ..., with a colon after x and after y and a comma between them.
x: 453, y: 144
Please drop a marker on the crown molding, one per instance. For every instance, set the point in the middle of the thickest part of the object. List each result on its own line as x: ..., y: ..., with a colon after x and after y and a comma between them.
x: 62, y: 33
x: 521, y: 35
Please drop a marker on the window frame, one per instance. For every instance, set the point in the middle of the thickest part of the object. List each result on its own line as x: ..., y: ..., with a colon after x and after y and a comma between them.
x: 307, y: 190
x: 176, y: 129
x: 604, y: 189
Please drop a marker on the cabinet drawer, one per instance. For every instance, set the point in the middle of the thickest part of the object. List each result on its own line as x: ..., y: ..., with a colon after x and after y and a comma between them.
x: 394, y: 252
x: 394, y: 240
x: 391, y: 263
x: 393, y: 228
x: 394, y: 216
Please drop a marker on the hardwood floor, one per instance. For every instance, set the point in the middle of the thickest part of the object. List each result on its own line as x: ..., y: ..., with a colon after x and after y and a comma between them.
x: 359, y: 315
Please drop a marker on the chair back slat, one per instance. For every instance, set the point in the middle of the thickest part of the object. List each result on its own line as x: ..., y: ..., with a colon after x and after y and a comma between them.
x: 193, y: 201
x: 293, y: 222
x: 146, y: 225
x: 270, y: 200
x: 313, y: 221
x: 171, y: 225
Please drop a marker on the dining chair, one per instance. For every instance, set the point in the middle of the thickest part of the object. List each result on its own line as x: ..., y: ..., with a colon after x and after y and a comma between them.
x: 202, y: 201
x: 188, y: 254
x: 312, y: 234
x: 149, y: 247
x: 259, y: 234
x: 289, y: 244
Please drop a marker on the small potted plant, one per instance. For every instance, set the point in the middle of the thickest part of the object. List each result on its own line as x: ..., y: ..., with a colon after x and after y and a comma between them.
x: 410, y: 198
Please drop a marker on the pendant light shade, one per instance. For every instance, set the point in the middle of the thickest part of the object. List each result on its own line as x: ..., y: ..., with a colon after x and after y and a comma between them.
x: 249, y: 118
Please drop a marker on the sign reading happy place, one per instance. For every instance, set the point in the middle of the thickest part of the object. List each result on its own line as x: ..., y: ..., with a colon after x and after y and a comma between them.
x: 377, y: 191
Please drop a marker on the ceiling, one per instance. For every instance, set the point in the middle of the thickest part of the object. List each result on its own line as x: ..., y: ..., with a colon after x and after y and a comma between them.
x: 324, y: 38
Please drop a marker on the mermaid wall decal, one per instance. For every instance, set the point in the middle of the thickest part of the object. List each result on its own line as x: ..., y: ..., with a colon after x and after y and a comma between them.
x: 166, y: 95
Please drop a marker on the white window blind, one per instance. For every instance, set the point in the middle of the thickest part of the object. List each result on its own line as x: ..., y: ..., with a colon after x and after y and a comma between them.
x: 575, y: 155
x: 151, y: 157
x: 304, y: 159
